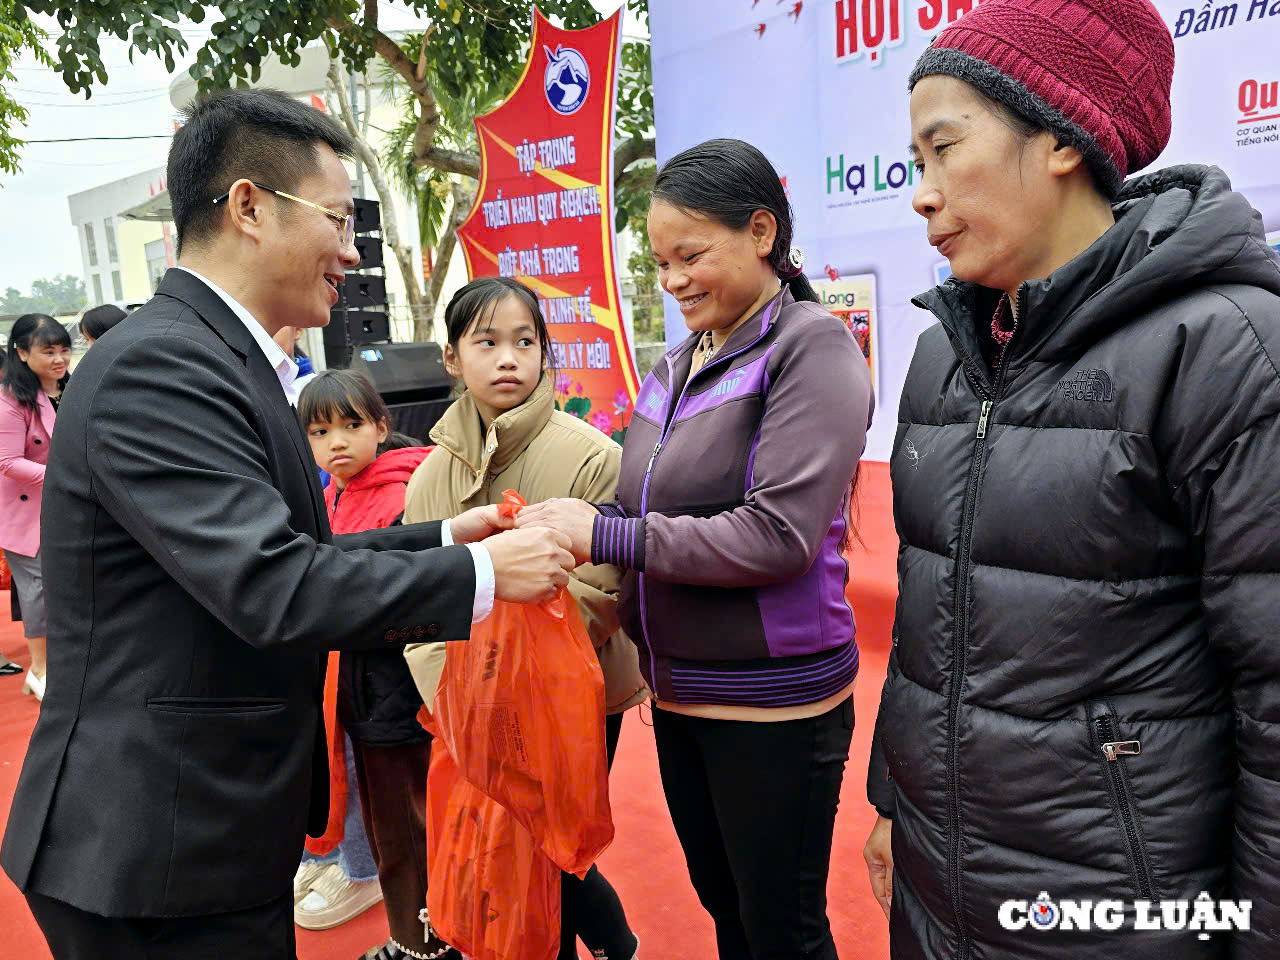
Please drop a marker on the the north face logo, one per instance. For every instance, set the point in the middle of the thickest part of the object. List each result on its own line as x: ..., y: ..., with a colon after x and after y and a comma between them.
x: 1088, y: 385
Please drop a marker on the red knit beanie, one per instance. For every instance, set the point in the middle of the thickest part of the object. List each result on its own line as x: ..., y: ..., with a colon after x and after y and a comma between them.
x: 1095, y: 73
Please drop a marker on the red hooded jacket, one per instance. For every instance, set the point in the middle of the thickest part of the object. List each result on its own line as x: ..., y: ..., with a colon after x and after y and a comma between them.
x: 372, y: 499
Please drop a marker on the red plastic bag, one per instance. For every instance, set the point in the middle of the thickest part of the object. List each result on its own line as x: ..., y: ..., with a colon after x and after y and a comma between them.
x: 491, y: 893
x: 521, y: 708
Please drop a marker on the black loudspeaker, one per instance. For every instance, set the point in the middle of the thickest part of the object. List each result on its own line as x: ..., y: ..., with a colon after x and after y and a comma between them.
x: 368, y: 215
x: 350, y: 330
x: 370, y: 251
x: 416, y: 419
x: 367, y: 326
x: 360, y: 291
x: 360, y: 316
x: 405, y: 373
x: 337, y: 339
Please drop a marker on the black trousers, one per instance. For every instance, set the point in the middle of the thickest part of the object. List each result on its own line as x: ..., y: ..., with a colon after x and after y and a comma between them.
x: 754, y: 806
x: 259, y: 933
x: 393, y: 801
x: 590, y: 908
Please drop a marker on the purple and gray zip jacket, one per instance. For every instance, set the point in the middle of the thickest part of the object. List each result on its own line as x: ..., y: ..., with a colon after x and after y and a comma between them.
x: 732, y: 510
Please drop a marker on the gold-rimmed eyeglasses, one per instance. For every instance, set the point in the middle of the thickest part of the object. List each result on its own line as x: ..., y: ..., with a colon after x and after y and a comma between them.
x: 346, y: 222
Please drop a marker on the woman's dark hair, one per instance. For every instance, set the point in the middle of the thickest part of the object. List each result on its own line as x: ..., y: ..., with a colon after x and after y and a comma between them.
x: 98, y: 320
x: 31, y: 332
x: 474, y: 304
x: 727, y: 181
x: 336, y: 394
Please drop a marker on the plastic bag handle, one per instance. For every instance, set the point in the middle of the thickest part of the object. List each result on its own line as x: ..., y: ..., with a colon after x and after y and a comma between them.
x: 511, y: 504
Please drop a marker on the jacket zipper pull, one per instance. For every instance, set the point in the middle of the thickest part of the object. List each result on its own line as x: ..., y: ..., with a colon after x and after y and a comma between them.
x: 982, y: 420
x: 1125, y: 747
x: 656, y: 448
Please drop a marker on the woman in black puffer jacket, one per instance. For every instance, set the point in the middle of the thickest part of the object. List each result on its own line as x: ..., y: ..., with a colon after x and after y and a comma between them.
x: 1083, y: 696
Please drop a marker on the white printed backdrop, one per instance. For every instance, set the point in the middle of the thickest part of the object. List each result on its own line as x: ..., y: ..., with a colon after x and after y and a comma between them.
x: 820, y: 87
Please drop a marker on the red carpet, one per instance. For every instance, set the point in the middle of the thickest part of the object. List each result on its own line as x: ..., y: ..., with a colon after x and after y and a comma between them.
x: 644, y: 863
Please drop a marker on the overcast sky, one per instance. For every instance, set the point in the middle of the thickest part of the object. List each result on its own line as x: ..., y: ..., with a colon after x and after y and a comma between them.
x: 40, y: 241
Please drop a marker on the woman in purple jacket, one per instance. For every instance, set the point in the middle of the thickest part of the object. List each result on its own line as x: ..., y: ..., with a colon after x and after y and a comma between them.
x: 731, y: 518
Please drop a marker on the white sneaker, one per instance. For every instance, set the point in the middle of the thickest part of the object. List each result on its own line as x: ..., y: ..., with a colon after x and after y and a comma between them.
x: 334, y: 899
x: 307, y: 875
x: 34, y: 685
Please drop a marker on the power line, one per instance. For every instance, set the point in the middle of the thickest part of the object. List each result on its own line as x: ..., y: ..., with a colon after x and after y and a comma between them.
x: 76, y: 163
x: 106, y: 105
x: 23, y: 88
x: 140, y: 136
x: 47, y: 105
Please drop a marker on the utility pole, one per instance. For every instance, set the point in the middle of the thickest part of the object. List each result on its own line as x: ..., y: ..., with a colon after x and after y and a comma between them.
x: 355, y: 113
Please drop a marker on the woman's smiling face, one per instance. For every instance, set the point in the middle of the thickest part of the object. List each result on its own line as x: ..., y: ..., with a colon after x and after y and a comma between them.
x: 715, y: 274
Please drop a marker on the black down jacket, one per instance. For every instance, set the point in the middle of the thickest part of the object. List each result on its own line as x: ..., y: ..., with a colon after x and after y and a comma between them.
x: 1089, y: 568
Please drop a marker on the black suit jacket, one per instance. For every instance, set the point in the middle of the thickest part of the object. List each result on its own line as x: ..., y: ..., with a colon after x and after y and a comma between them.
x: 193, y: 585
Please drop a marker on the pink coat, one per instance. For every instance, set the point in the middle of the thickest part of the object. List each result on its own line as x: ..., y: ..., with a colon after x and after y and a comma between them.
x: 24, y: 450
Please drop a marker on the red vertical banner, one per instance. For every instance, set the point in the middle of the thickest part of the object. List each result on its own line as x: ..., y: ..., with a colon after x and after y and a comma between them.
x: 544, y: 212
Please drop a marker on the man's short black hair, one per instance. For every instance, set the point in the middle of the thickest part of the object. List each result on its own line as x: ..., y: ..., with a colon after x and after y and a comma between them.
x: 261, y: 135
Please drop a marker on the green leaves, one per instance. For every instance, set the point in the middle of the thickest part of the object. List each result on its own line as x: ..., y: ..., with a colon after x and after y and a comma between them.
x: 475, y: 51
x: 578, y: 407
x: 17, y: 34
x: 56, y: 296
x: 433, y: 204
x: 635, y: 120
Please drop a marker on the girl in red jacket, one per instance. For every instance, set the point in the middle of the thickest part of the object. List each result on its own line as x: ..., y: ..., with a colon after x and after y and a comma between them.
x: 370, y: 696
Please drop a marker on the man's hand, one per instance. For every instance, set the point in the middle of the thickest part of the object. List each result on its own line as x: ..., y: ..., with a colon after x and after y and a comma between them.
x: 478, y: 523
x: 574, y: 518
x: 879, y: 856
x: 529, y: 566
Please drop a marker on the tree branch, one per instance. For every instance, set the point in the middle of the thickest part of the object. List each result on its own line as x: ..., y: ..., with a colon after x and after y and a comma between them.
x: 368, y: 107
x: 450, y: 161
x: 425, y: 151
x: 629, y: 152
x: 422, y: 51
x: 390, y: 222
x: 428, y: 109
x: 344, y: 103
x: 637, y: 178
x: 462, y: 198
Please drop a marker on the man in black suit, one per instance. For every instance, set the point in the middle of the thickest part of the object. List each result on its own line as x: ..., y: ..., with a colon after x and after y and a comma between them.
x: 192, y: 579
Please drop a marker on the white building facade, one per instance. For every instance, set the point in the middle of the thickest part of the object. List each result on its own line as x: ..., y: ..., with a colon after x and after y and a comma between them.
x: 126, y: 241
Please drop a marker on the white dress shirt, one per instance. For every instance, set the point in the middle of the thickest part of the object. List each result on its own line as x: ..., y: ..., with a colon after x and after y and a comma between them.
x: 287, y: 372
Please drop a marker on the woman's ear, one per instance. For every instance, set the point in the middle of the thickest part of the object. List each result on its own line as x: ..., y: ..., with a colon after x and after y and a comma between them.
x: 1064, y: 159
x: 764, y: 230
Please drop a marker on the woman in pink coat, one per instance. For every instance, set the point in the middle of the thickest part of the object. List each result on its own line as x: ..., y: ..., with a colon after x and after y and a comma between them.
x: 35, y: 372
